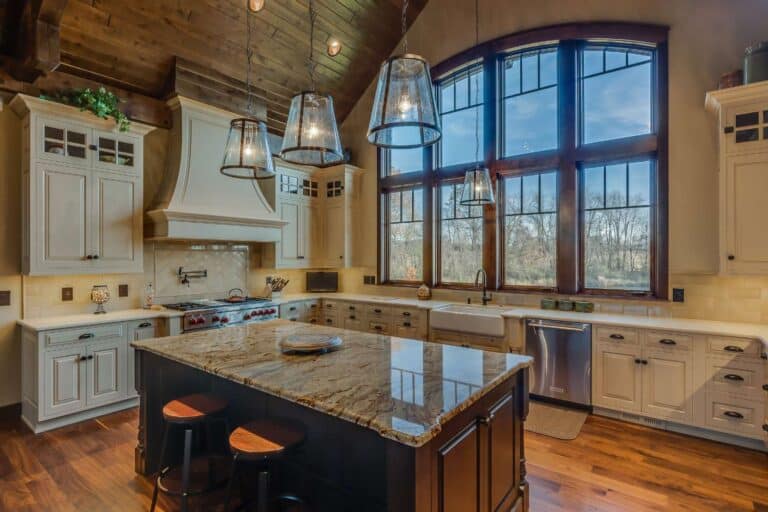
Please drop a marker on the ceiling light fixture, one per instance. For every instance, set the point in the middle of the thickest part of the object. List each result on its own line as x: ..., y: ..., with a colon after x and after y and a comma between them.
x: 404, y: 113
x: 246, y: 154
x: 478, y: 189
x: 311, y: 135
x: 334, y: 47
x: 256, y: 5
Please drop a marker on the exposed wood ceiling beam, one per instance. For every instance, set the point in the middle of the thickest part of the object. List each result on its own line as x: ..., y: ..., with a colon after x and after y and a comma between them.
x: 36, y: 44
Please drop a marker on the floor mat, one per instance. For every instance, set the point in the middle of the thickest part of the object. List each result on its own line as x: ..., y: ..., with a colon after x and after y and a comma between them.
x: 554, y: 420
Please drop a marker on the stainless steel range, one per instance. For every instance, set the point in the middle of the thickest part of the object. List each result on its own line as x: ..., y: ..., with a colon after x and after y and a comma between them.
x: 221, y: 313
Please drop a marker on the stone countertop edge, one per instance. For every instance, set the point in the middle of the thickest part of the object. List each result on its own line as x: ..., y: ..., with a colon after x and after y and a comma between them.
x: 66, y: 321
x: 415, y: 441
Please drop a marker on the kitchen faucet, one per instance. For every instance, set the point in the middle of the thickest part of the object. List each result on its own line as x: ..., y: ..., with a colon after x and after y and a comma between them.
x: 485, y: 298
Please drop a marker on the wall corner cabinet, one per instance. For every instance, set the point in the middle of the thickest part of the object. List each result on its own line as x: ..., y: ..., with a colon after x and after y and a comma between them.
x: 73, y: 374
x: 82, y: 191
x: 742, y: 114
x: 318, y: 207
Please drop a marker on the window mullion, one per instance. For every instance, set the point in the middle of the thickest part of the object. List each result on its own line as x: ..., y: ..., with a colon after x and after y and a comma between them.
x: 568, y: 263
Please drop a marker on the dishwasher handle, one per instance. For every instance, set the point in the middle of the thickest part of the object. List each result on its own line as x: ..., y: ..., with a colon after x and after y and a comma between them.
x: 560, y: 327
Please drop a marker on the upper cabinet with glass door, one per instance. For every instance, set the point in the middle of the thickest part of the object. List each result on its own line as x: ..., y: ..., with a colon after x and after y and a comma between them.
x: 117, y: 152
x: 63, y: 141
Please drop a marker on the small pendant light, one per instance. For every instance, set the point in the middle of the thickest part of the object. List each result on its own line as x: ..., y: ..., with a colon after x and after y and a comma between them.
x: 478, y: 189
x: 311, y: 135
x: 247, y: 155
x: 404, y: 113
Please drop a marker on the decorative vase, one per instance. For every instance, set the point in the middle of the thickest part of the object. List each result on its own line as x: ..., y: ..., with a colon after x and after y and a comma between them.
x: 424, y: 293
x: 100, y: 296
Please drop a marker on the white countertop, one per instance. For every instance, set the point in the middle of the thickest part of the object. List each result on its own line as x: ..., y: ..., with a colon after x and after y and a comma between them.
x: 64, y: 321
x: 757, y: 331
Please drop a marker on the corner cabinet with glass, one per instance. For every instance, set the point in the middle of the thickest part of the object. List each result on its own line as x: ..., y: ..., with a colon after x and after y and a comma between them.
x: 743, y: 179
x: 317, y: 206
x: 82, y: 191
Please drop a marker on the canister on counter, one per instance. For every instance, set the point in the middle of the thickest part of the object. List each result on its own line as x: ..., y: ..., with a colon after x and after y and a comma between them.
x: 756, y: 63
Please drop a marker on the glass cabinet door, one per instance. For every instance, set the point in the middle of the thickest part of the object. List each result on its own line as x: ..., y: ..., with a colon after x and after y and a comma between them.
x: 64, y: 142
x: 115, y: 152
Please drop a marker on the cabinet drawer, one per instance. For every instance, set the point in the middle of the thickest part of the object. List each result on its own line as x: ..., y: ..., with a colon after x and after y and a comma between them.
x: 486, y: 342
x: 378, y: 327
x: 734, y: 415
x: 740, y: 377
x: 617, y: 335
x: 143, y: 324
x: 291, y: 309
x: 331, y: 320
x: 734, y: 346
x: 407, y: 332
x: 353, y: 308
x: 331, y: 305
x: 407, y: 315
x: 375, y: 312
x: 353, y: 323
x: 668, y: 340
x: 84, y: 334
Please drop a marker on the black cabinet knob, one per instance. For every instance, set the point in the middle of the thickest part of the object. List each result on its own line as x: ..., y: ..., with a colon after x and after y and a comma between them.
x: 731, y: 257
x: 733, y: 414
x: 733, y: 348
x: 667, y: 342
x: 89, y: 257
x: 616, y: 337
x: 733, y: 377
x: 85, y: 336
x: 145, y: 324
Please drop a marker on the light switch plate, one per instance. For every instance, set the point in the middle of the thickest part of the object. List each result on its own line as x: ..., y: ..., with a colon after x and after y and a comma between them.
x: 122, y: 290
x: 67, y: 294
x: 5, y: 298
x: 678, y: 294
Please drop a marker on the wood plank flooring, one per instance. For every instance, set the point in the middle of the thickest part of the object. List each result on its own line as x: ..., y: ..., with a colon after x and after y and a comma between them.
x: 611, y: 466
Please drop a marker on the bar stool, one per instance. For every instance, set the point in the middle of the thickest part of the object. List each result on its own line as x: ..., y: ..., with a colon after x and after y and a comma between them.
x: 189, y: 412
x: 263, y: 442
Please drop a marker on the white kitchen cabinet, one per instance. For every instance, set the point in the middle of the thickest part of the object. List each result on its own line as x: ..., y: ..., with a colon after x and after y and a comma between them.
x: 317, y: 206
x: 137, y: 331
x: 668, y: 385
x: 106, y: 372
x: 743, y: 176
x: 82, y: 191
x: 64, y: 381
x: 617, y: 377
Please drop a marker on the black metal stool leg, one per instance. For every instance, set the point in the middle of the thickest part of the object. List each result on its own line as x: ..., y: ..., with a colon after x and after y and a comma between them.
x: 231, y: 483
x: 163, y: 447
x: 262, y: 499
x: 185, y: 470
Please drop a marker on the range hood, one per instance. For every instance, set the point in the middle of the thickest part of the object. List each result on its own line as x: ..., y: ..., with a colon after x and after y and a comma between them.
x: 195, y: 201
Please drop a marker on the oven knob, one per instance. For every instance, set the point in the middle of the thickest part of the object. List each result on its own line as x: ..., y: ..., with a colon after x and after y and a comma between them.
x: 224, y: 320
x: 247, y: 316
x: 271, y: 311
x: 215, y: 318
x: 198, y: 321
x: 259, y: 313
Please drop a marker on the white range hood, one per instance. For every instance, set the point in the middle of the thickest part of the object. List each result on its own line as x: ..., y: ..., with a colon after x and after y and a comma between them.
x: 195, y: 201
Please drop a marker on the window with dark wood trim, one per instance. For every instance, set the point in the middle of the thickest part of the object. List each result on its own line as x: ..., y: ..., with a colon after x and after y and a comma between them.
x: 559, y: 104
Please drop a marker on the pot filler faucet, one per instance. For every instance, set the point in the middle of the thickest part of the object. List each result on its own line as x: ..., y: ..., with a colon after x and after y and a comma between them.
x: 485, y: 298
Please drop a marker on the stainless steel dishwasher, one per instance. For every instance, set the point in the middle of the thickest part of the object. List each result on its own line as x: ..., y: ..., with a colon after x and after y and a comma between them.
x: 562, y: 366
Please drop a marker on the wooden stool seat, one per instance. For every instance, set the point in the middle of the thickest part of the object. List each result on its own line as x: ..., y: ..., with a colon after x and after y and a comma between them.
x: 192, y: 408
x: 265, y: 438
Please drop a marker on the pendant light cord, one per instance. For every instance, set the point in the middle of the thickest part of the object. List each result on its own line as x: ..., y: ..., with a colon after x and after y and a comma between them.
x: 404, y: 26
x: 477, y: 98
x: 310, y: 60
x: 249, y: 56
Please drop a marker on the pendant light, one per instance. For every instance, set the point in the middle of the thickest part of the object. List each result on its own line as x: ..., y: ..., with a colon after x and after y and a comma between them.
x: 478, y: 189
x: 311, y: 135
x: 404, y: 113
x: 247, y: 155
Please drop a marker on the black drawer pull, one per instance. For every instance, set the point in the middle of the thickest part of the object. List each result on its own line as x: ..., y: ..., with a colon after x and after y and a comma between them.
x: 765, y: 427
x: 734, y: 377
x: 406, y: 313
x: 765, y: 387
x: 351, y: 308
x: 616, y: 337
x: 313, y: 321
x: 667, y: 341
x: 292, y: 308
x: 145, y: 324
x: 329, y: 320
x: 352, y: 317
x: 293, y: 319
x: 733, y: 414
x: 733, y: 348
x: 377, y: 311
x: 378, y: 327
x: 406, y: 324
x: 85, y: 336
x: 90, y: 357
x: 638, y: 361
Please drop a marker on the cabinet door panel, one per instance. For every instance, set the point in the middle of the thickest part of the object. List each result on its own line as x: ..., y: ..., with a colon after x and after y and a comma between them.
x: 289, y: 241
x: 458, y: 472
x: 64, y: 142
x: 335, y: 234
x: 106, y: 373
x: 617, y: 377
x: 117, y: 217
x: 668, y: 385
x: 63, y: 226
x: 747, y: 242
x: 504, y: 473
x: 138, y: 334
x: 311, y: 233
x: 64, y: 382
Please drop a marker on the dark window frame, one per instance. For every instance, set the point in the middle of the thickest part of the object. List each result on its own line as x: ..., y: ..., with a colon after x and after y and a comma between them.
x: 567, y: 159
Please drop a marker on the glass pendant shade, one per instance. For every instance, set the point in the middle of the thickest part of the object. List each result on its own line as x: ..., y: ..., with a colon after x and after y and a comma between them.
x: 478, y: 189
x: 247, y: 155
x: 404, y: 113
x: 311, y: 135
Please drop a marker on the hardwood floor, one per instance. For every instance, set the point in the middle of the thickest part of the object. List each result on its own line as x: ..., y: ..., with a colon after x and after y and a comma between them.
x: 612, y: 466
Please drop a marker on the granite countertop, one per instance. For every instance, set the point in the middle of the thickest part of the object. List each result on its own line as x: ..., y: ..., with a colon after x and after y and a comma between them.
x: 403, y: 389
x: 124, y: 315
x: 372, y: 299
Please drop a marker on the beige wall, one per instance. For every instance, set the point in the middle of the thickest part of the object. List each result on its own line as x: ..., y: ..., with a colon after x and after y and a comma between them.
x: 707, y: 38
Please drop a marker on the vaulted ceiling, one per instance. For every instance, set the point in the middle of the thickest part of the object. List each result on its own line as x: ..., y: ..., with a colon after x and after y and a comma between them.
x: 133, y: 45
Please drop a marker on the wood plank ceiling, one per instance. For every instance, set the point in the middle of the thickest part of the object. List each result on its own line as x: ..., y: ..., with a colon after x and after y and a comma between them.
x: 133, y: 44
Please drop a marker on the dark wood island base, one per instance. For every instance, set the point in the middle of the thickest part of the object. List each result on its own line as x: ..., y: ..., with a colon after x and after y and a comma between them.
x: 474, y: 463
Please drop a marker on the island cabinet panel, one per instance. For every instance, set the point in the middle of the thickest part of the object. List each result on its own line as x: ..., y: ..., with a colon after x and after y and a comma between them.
x: 459, y: 472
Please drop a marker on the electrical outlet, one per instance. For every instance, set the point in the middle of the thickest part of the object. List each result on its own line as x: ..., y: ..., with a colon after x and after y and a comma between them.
x: 369, y: 279
x: 678, y: 294
x: 67, y: 294
x: 122, y: 290
x: 5, y: 298
x: 269, y: 279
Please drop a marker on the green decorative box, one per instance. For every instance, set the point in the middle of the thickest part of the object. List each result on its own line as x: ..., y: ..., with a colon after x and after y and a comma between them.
x: 584, y: 306
x: 565, y: 305
x: 548, y: 303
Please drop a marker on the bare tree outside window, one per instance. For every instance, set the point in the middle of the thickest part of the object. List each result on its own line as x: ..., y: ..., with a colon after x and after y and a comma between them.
x: 406, y: 234
x: 461, y: 237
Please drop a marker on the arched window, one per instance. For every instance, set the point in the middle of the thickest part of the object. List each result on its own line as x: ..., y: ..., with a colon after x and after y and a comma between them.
x: 573, y: 126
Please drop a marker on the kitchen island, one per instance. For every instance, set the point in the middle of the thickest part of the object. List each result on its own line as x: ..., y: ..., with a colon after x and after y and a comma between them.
x: 392, y: 424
